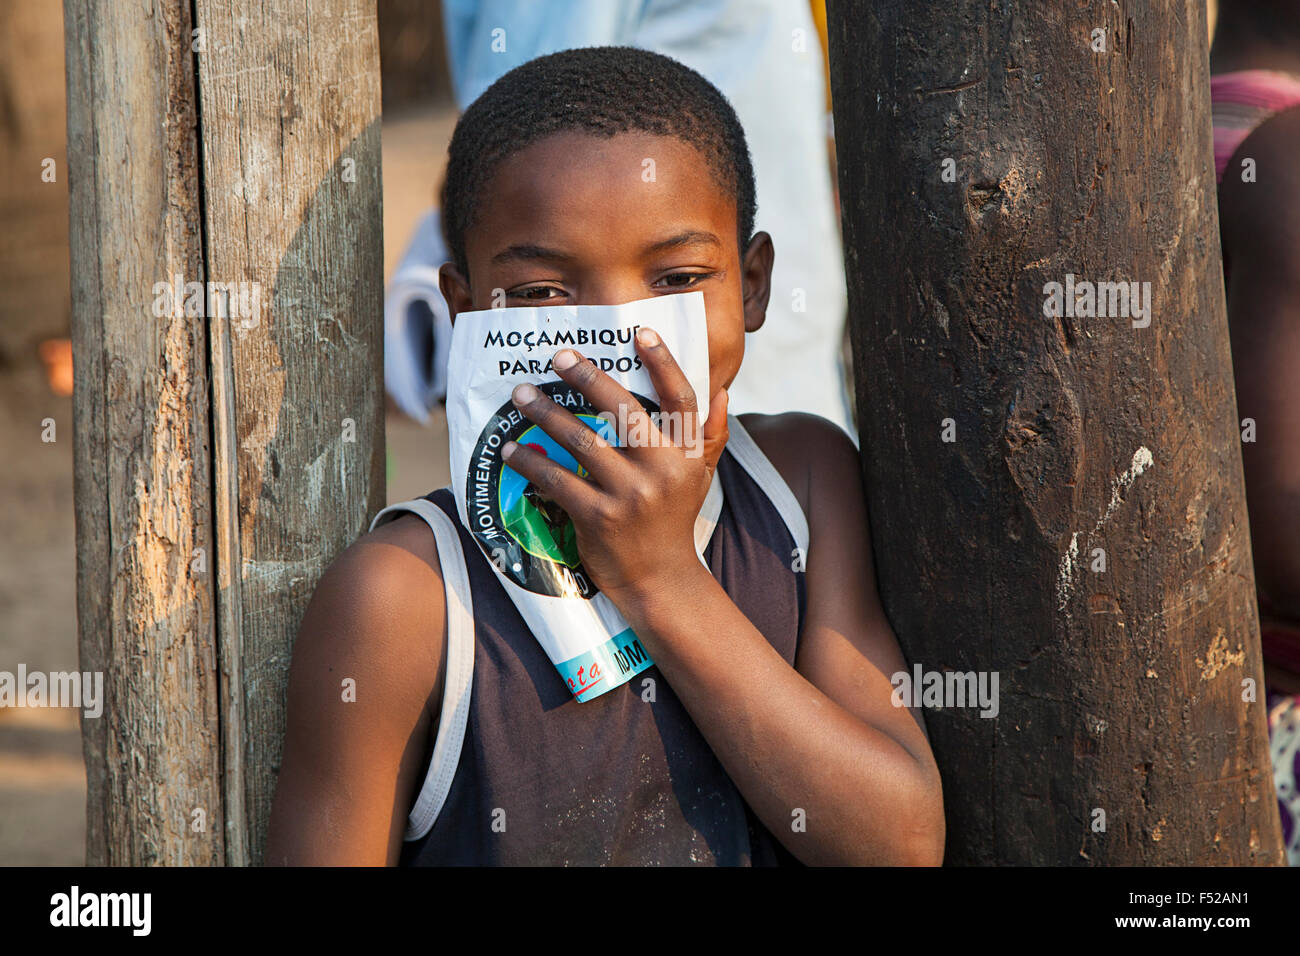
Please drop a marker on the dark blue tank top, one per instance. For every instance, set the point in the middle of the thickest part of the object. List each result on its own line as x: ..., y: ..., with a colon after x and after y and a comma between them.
x: 626, y: 778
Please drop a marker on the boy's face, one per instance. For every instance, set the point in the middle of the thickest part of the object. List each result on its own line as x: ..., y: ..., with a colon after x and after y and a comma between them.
x: 576, y: 219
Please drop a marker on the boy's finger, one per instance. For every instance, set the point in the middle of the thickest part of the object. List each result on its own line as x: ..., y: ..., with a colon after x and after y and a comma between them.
x: 676, y: 397
x: 716, y: 430
x: 605, y: 394
x: 576, y: 496
x: 572, y: 433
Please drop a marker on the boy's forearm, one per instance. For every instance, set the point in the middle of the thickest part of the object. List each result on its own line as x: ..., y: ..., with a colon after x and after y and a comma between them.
x: 787, y: 746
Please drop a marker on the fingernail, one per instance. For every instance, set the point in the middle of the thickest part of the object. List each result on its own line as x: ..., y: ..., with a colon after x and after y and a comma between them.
x: 525, y: 393
x: 565, y: 359
x: 507, y: 450
x: 647, y: 337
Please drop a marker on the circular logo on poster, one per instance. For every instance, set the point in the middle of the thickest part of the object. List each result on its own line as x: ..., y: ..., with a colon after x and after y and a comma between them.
x: 528, y: 537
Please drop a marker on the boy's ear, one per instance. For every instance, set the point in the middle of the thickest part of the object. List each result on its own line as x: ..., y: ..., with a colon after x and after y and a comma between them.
x: 455, y: 290
x: 756, y: 280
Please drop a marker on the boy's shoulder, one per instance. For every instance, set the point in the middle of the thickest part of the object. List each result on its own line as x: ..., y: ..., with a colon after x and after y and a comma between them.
x: 394, y: 563
x: 380, y: 605
x: 814, y: 455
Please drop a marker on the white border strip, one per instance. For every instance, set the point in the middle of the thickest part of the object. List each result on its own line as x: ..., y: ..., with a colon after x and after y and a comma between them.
x: 460, y: 664
x: 746, y: 451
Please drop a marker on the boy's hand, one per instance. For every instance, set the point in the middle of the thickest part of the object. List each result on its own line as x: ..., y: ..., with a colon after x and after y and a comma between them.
x: 635, y: 515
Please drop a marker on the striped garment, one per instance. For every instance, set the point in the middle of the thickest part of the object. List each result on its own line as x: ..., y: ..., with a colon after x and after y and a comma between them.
x: 1284, y: 752
x: 1240, y: 101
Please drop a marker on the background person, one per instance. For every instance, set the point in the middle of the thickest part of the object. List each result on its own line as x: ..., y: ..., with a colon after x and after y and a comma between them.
x: 1255, y: 95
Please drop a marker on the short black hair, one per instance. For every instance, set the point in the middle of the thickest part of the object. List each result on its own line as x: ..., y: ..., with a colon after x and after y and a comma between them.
x: 601, y: 90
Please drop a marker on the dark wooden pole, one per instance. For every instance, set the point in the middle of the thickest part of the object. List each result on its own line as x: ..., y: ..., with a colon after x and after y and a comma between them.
x: 229, y: 440
x: 1055, y: 498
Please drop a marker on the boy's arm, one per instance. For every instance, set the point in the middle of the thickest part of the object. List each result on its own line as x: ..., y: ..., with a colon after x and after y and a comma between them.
x: 821, y: 745
x: 847, y: 647
x: 823, y: 738
x: 351, y: 762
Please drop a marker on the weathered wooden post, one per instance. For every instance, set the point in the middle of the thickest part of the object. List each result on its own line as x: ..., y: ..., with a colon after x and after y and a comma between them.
x: 227, y: 335
x: 1051, y: 458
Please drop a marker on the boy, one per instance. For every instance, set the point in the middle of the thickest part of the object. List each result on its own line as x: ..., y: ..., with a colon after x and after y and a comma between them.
x: 765, y: 732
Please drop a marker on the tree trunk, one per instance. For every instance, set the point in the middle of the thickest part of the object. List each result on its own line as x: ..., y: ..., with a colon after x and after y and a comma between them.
x: 240, y: 151
x: 1055, y: 499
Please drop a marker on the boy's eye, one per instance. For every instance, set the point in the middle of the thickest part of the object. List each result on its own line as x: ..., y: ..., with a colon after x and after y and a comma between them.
x: 537, y: 293
x: 684, y: 280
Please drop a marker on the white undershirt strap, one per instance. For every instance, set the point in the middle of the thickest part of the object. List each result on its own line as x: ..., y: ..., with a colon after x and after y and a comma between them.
x: 707, y: 520
x: 746, y: 451
x: 460, y: 663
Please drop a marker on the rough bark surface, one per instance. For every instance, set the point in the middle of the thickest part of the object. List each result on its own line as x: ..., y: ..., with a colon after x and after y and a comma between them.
x: 290, y: 113
x: 1121, y: 691
x: 240, y: 148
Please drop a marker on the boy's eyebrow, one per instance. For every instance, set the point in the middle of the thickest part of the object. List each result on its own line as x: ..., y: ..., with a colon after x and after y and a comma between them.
x: 690, y: 238
x: 528, y: 251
